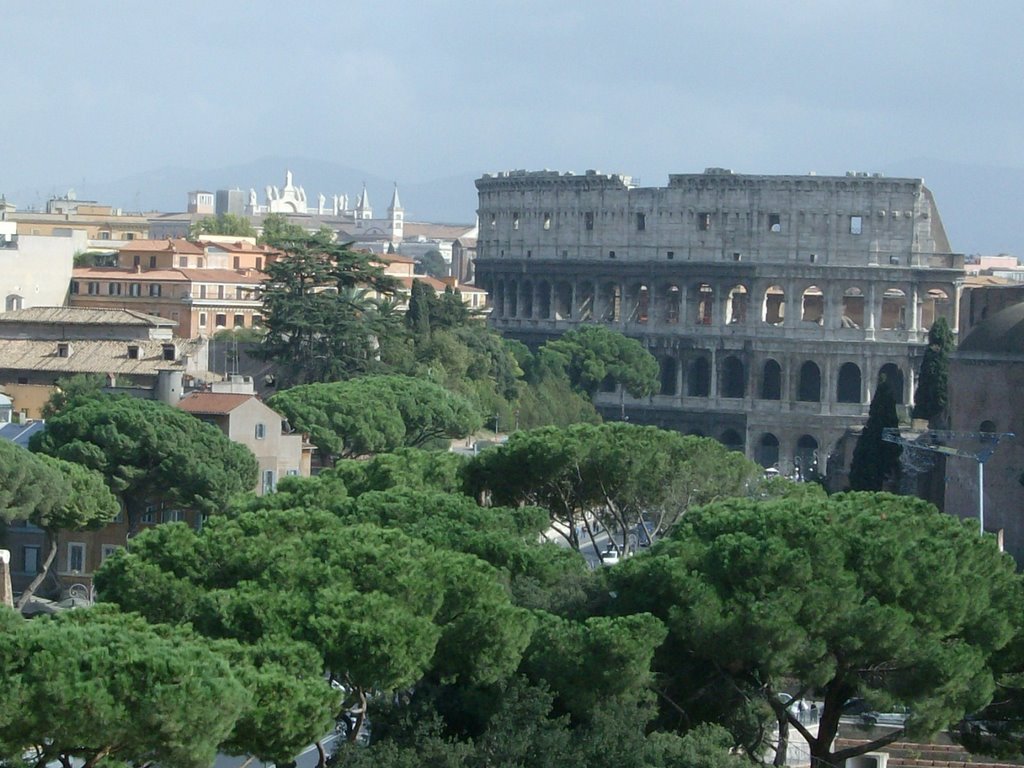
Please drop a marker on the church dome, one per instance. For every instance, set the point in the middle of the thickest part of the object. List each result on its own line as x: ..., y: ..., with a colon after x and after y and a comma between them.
x: 1003, y: 333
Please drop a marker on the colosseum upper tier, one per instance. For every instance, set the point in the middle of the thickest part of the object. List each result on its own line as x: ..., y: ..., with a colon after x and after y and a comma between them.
x: 773, y: 303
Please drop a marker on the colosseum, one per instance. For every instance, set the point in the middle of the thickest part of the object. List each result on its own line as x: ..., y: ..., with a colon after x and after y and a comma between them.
x: 772, y: 303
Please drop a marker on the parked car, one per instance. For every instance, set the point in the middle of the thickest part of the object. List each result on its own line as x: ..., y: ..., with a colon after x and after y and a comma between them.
x: 610, y: 556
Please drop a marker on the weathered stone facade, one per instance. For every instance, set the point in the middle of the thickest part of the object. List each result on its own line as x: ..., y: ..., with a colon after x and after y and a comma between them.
x: 771, y: 302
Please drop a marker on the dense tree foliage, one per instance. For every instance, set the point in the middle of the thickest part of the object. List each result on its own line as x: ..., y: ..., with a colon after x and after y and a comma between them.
x: 222, y: 224
x: 278, y: 232
x: 875, y: 596
x: 53, y: 495
x: 593, y: 354
x: 432, y: 263
x: 318, y: 316
x: 931, y: 396
x: 150, y: 453
x: 373, y: 414
x: 876, y: 460
x: 623, y: 475
x: 98, y: 687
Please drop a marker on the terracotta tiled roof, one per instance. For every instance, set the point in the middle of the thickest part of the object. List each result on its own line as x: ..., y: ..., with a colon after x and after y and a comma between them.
x: 126, y: 273
x: 84, y: 316
x: 171, y: 245
x: 222, y: 276
x: 393, y: 258
x: 214, y: 403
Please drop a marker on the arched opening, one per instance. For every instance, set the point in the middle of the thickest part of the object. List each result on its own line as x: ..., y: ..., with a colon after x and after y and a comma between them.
x: 637, y: 302
x: 586, y: 301
x: 736, y: 305
x: 812, y: 306
x: 894, y: 376
x: 809, y: 385
x: 513, y: 298
x: 894, y: 310
x: 695, y: 433
x: 673, y: 303
x: 805, y: 461
x: 733, y: 378
x: 563, y: 301
x: 544, y: 300
x: 774, y: 310
x: 611, y: 303
x: 698, y: 378
x: 14, y: 302
x: 527, y: 308
x: 732, y: 440
x: 936, y: 304
x: 705, y: 304
x: 771, y: 381
x: 768, y: 450
x: 987, y: 426
x: 848, y: 385
x: 853, y: 308
x: 669, y: 375
x: 497, y: 291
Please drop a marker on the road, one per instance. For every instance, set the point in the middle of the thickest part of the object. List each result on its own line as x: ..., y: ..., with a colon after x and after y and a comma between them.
x: 308, y: 758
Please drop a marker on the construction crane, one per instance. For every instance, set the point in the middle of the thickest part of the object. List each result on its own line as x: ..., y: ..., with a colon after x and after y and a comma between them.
x: 975, y: 445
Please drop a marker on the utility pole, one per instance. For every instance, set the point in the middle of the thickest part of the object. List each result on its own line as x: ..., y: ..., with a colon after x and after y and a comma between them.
x: 974, y: 445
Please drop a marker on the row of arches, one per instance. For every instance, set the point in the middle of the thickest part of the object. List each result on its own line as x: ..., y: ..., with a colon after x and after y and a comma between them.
x: 733, y: 382
x: 890, y: 307
x: 768, y: 451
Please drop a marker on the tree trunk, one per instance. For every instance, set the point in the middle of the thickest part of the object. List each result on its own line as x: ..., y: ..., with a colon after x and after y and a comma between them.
x: 322, y: 756
x: 51, y: 554
x: 360, y: 716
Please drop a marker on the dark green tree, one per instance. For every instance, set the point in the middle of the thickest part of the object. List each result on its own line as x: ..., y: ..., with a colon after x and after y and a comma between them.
x: 149, y: 452
x: 95, y: 687
x: 319, y: 326
x: 277, y: 231
x: 592, y: 354
x: 222, y: 224
x: 875, y: 460
x: 432, y: 263
x: 374, y: 414
x: 931, y: 396
x: 869, y: 595
x: 422, y: 299
x: 87, y: 505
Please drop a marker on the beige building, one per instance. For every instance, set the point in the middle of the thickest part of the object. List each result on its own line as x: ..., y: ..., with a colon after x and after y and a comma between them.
x: 35, y: 269
x: 233, y: 407
x: 38, y: 346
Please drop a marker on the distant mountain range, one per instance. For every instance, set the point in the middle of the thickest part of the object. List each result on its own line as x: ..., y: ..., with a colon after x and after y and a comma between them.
x: 980, y: 205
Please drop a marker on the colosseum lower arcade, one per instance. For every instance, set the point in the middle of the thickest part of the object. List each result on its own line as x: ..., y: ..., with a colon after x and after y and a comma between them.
x: 772, y: 303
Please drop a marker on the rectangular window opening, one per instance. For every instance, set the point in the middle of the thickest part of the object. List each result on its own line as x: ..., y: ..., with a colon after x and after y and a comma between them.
x: 641, y: 222
x: 856, y: 225
x: 588, y: 220
x: 774, y: 222
x: 703, y: 221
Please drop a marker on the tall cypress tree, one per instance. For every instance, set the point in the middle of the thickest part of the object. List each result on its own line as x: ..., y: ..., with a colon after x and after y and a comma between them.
x: 874, y: 459
x: 931, y: 396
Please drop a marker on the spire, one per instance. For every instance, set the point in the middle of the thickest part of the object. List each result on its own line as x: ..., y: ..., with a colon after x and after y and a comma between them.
x: 396, y: 205
x: 364, y: 200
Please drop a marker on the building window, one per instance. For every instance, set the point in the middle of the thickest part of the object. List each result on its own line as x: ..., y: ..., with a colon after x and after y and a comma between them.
x: 76, y: 557
x: 774, y: 222
x: 14, y: 302
x: 588, y: 220
x: 202, y: 291
x: 856, y: 225
x: 74, y: 287
x: 172, y: 516
x: 169, y: 352
x: 515, y: 221
x: 737, y: 256
x: 183, y: 261
x: 494, y: 220
x: 261, y: 431
x: 133, y: 351
x: 220, y: 291
x: 30, y: 557
x: 268, y: 481
x: 259, y: 262
x: 670, y: 255
x: 149, y: 516
x: 63, y: 349
x: 94, y: 289
x: 641, y: 222
x: 136, y: 260
x: 257, y: 321
x: 104, y: 235
x: 239, y: 321
x: 814, y: 258
x: 114, y: 289
x: 152, y: 262
x: 154, y: 289
x: 107, y: 550
x: 129, y: 236
x: 238, y: 262
x: 222, y: 321
x: 134, y: 289
x: 202, y: 319
x: 292, y: 473
x: 611, y: 254
x: 703, y: 221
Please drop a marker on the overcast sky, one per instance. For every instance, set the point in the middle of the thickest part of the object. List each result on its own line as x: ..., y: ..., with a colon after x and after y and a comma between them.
x: 422, y: 90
